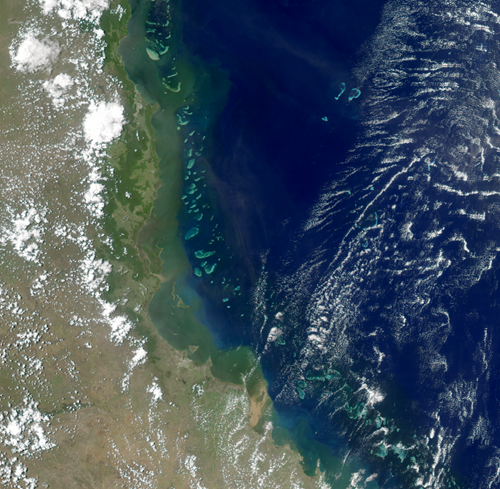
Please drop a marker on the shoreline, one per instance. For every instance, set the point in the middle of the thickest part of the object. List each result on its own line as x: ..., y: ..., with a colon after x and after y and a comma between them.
x: 91, y: 395
x: 171, y: 314
x: 174, y: 317
x: 158, y: 236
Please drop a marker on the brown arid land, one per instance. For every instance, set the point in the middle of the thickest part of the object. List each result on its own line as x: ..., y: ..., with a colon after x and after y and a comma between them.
x: 90, y: 395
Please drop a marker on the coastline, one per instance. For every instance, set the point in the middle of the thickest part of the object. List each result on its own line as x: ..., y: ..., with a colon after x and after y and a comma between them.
x: 175, y: 308
x: 110, y: 400
x: 158, y: 239
x: 90, y: 394
x: 158, y: 236
x: 172, y: 309
x: 162, y: 263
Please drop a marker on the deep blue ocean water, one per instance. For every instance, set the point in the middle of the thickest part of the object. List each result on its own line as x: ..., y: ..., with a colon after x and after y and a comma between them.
x: 271, y: 150
x: 341, y: 211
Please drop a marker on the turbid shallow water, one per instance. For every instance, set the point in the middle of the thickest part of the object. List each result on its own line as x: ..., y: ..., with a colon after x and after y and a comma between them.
x: 175, y: 321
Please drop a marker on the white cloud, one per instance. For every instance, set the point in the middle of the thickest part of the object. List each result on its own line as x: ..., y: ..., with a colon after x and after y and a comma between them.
x: 140, y: 356
x: 103, y: 122
x: 57, y: 87
x: 120, y: 325
x: 274, y: 334
x: 93, y: 197
x: 24, y: 233
x: 33, y: 54
x: 48, y: 5
x: 93, y: 273
x: 76, y: 9
x: 155, y: 389
x: 22, y: 430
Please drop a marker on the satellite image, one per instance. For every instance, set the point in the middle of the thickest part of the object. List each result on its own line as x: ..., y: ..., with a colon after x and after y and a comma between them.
x: 249, y: 244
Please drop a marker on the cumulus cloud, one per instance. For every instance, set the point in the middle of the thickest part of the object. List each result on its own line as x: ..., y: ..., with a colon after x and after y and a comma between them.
x: 34, y: 54
x: 48, y: 5
x: 75, y: 9
x: 58, y: 87
x: 24, y: 232
x: 23, y: 429
x: 103, y: 122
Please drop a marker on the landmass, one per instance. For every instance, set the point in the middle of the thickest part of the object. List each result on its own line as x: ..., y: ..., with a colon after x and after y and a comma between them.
x: 90, y: 395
